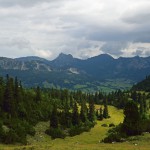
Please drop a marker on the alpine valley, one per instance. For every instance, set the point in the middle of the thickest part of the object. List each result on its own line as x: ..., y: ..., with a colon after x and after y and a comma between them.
x: 101, y: 72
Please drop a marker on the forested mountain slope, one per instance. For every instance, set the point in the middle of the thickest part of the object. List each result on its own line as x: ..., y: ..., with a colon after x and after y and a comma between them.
x: 68, y: 72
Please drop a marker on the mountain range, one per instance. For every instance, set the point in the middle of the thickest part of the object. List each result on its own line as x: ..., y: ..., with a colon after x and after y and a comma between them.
x: 95, y: 73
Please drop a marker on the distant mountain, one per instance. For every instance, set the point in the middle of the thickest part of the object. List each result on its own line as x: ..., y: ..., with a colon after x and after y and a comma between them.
x: 143, y: 85
x: 31, y: 58
x: 64, y: 61
x: 68, y: 72
x: 24, y: 63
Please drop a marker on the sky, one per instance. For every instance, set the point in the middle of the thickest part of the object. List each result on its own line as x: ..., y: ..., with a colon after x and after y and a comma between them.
x: 83, y: 28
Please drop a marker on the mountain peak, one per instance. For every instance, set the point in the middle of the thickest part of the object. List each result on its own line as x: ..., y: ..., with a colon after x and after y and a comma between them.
x: 63, y: 60
x: 102, y: 57
x: 62, y: 55
x: 105, y: 56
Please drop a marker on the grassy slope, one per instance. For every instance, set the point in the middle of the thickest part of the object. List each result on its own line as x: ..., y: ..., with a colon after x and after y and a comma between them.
x: 85, y: 141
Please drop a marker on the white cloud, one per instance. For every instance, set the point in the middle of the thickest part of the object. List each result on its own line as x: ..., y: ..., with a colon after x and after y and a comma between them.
x: 46, y: 28
x: 134, y: 49
x: 43, y: 53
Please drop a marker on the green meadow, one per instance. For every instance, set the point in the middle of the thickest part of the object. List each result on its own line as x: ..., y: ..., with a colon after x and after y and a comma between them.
x: 85, y: 141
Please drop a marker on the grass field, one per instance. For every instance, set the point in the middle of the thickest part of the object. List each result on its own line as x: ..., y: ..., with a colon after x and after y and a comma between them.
x: 86, y: 141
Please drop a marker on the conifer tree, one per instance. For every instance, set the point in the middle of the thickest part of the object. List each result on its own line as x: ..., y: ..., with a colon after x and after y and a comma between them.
x: 131, y: 123
x: 38, y: 96
x: 67, y: 116
x: 83, y: 112
x: 101, y: 113
x: 134, y: 96
x: 8, y: 101
x: 1, y: 91
x: 75, y: 115
x: 91, y: 115
x: 16, y: 92
x: 141, y: 107
x: 105, y: 110
x: 54, y: 118
x: 144, y: 103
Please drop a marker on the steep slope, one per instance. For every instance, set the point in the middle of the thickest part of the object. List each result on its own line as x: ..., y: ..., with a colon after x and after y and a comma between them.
x: 144, y: 85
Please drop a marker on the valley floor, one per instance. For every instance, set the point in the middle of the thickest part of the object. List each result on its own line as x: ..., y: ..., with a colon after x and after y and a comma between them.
x: 86, y: 141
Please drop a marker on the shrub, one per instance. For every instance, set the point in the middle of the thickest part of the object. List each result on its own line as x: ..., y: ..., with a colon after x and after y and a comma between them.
x: 113, y: 137
x: 111, y: 125
x: 145, y: 125
x: 28, y: 128
x: 104, y: 125
x: 17, y: 131
x: 10, y: 137
x: 55, y: 133
x: 2, y: 133
x: 76, y: 130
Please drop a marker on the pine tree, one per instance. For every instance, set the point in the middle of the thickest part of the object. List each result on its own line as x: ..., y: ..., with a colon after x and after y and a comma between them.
x: 54, y: 118
x: 91, y: 115
x: 67, y: 116
x: 134, y: 96
x: 141, y: 107
x: 131, y: 123
x: 38, y: 96
x: 101, y: 113
x: 83, y: 112
x: 105, y: 110
x: 1, y: 91
x: 8, y: 101
x: 75, y: 115
x: 16, y: 92
x: 144, y: 103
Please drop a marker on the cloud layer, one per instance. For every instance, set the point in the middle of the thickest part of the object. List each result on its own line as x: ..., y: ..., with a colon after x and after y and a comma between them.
x: 83, y: 28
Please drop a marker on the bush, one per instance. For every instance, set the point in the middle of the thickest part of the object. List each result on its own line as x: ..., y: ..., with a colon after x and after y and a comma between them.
x: 89, y: 124
x: 145, y: 126
x: 10, y: 137
x: 113, y: 137
x: 76, y: 130
x: 104, y: 125
x: 111, y: 125
x: 28, y: 128
x: 2, y: 133
x: 55, y: 133
x: 17, y: 131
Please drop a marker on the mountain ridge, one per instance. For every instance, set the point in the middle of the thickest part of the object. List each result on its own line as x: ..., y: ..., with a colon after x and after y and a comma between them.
x: 68, y: 72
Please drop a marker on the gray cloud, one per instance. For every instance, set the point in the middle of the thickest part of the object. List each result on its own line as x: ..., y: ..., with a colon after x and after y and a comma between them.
x: 114, y: 48
x: 23, y: 3
x: 46, y: 27
x: 141, y: 51
x: 147, y: 53
x: 138, y: 52
x: 138, y: 15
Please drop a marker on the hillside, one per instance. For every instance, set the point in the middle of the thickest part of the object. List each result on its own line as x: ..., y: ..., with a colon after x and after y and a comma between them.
x: 101, y: 72
x: 87, y: 140
x: 144, y: 85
